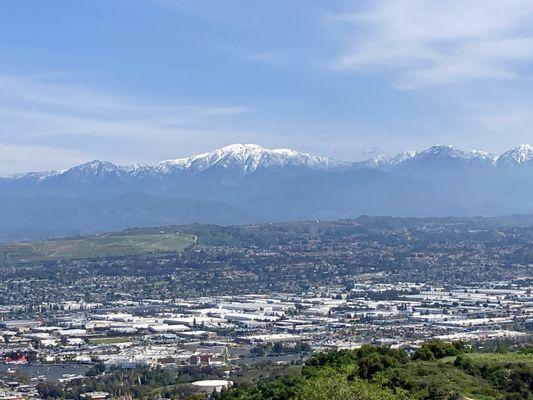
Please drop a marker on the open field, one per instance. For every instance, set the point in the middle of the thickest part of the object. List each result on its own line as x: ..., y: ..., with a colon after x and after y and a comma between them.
x: 107, y: 245
x: 500, y: 358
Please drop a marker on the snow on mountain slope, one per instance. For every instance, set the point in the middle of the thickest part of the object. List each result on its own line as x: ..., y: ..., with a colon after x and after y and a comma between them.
x: 445, y: 152
x: 240, y: 158
x: 95, y: 167
x: 248, y: 158
x: 433, y: 155
x: 402, y: 157
x: 384, y: 162
x: 519, y: 155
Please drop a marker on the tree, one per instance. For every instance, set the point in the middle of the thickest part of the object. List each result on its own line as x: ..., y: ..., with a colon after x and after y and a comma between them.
x: 258, y: 351
x: 96, y: 370
x: 50, y: 390
x: 437, y: 349
x: 277, y: 348
x: 334, y: 386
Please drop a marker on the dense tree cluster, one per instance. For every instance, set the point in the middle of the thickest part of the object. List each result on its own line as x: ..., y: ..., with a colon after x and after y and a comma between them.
x: 279, y: 348
x: 381, y: 373
x: 437, y: 349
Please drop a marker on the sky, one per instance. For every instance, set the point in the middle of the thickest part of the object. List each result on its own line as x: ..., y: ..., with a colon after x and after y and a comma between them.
x: 140, y: 81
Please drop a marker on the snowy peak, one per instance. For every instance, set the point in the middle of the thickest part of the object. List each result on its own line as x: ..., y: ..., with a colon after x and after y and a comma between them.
x: 519, y: 155
x: 248, y: 158
x: 245, y: 159
x: 94, y: 168
x: 452, y: 152
x: 434, y: 154
x: 385, y: 162
x: 442, y: 151
x: 379, y: 161
x: 402, y: 157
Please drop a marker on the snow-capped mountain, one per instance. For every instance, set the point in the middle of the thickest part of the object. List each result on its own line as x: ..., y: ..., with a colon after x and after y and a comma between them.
x: 249, y: 158
x: 519, y: 155
x: 402, y: 157
x: 244, y: 158
x: 444, y: 153
x: 435, y: 156
x: 451, y: 152
x: 442, y: 163
x: 247, y: 183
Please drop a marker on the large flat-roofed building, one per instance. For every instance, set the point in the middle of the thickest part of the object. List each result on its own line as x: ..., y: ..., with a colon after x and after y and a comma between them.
x: 213, y: 385
x: 19, y: 325
x: 215, y: 355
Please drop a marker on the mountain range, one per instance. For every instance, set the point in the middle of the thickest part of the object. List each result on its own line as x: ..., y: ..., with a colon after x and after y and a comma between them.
x: 248, y: 183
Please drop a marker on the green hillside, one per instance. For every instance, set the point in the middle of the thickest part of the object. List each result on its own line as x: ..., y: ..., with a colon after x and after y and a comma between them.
x: 437, y: 371
x: 107, y: 245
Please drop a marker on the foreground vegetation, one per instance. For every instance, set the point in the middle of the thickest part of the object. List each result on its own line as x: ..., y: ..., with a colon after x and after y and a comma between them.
x: 436, y: 371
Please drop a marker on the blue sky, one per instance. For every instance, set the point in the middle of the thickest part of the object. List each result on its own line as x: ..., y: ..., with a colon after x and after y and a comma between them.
x: 146, y: 80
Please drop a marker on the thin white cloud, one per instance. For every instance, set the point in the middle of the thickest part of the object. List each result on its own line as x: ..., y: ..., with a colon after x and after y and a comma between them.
x: 45, y: 124
x: 17, y: 158
x: 36, y: 94
x: 432, y: 42
x: 506, y: 120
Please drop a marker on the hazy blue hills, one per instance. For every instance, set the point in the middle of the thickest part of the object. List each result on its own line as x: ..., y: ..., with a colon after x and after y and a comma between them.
x: 248, y: 183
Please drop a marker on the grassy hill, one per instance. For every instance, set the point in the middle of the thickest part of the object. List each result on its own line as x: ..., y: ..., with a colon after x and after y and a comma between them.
x: 106, y: 245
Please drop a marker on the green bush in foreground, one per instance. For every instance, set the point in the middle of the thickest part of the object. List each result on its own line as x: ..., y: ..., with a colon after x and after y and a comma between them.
x: 335, y: 386
x: 437, y: 371
x: 327, y: 385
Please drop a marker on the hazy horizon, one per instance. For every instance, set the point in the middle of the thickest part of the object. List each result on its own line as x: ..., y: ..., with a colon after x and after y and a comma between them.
x: 364, y: 157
